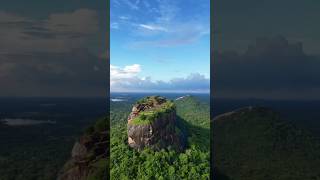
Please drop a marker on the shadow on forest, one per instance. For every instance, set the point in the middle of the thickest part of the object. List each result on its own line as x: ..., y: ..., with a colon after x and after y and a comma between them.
x: 217, y: 175
x: 200, y: 136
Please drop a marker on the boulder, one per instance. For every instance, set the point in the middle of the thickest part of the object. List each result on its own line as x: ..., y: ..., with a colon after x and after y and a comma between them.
x: 154, y: 125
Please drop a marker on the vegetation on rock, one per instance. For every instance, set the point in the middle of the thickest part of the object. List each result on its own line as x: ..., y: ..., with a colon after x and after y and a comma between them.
x: 152, y: 123
x: 89, y: 159
x: 192, y: 163
x: 152, y: 107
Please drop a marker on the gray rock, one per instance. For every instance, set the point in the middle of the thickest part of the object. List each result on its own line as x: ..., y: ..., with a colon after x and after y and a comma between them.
x: 78, y: 150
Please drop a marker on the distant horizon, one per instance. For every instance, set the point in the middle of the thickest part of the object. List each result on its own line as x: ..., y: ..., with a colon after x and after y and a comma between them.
x: 52, y: 97
x: 206, y: 93
x: 150, y: 92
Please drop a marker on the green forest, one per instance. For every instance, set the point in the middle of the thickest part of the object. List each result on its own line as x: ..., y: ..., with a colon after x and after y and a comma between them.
x: 39, y: 152
x: 193, y: 163
x: 258, y: 143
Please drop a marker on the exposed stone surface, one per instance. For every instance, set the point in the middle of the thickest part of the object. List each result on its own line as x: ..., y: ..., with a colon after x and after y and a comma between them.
x: 88, y: 157
x: 160, y: 131
x: 78, y: 150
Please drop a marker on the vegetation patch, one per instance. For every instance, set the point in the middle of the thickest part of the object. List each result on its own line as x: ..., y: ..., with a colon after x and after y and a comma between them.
x: 192, y: 163
x: 151, y: 108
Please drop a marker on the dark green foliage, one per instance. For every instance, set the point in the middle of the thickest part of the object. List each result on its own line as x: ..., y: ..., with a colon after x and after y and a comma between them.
x: 148, y: 164
x: 36, y: 157
x: 89, y: 130
x: 100, y: 165
x: 193, y: 163
x: 161, y: 107
x: 151, y: 100
x: 39, y: 152
x: 95, y: 161
x: 100, y: 170
x: 143, y: 117
x: 195, y: 115
x: 101, y: 125
x: 258, y: 144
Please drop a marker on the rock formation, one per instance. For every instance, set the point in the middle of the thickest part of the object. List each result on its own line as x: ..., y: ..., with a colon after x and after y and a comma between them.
x: 152, y: 123
x: 89, y: 155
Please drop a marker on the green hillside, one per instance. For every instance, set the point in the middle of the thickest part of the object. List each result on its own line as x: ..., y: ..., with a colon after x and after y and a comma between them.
x: 195, y: 114
x: 255, y: 143
x: 192, y: 163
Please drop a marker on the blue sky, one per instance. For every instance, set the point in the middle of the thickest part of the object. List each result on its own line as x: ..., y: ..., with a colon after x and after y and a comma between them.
x: 160, y: 45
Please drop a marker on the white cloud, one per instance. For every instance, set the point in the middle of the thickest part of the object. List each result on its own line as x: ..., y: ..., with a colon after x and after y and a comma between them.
x: 115, y: 3
x: 127, y: 79
x: 181, y: 34
x: 114, y: 25
x: 124, y: 17
x: 60, y: 32
x: 153, y: 27
x: 118, y: 74
x: 135, y: 68
x: 168, y: 28
x: 132, y: 5
x: 165, y: 26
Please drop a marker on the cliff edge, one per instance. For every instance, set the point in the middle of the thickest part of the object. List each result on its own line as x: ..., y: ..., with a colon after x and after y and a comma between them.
x: 89, y: 158
x: 152, y: 123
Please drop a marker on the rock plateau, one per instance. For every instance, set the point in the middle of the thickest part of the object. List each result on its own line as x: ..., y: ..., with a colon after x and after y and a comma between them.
x: 152, y: 123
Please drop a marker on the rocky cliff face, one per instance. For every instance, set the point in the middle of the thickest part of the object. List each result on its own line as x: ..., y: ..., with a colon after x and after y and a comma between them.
x: 89, y: 155
x: 152, y: 123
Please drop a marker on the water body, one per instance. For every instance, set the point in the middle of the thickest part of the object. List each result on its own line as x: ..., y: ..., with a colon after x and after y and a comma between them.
x: 39, y: 133
x: 25, y: 122
x: 182, y: 97
x: 117, y: 100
